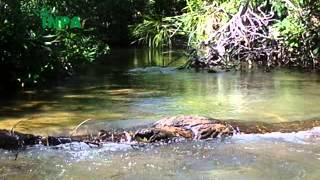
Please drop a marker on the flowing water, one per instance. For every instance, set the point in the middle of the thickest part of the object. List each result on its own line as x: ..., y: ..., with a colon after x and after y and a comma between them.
x: 131, y: 88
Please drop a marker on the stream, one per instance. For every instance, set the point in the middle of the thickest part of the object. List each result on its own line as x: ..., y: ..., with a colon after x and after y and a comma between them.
x: 130, y: 88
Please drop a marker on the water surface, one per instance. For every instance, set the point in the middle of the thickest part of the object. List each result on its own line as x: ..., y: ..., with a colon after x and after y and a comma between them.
x: 131, y: 88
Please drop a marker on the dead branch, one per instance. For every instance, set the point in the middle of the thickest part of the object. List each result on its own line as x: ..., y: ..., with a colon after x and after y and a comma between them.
x: 244, y: 37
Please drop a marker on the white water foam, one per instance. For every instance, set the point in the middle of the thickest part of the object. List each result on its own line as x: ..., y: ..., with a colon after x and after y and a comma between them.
x: 301, y: 137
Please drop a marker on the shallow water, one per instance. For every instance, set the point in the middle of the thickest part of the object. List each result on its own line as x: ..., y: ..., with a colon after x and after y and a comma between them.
x: 256, y: 157
x: 127, y: 89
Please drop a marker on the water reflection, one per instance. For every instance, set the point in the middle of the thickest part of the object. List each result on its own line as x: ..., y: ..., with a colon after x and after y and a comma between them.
x: 123, y: 87
x: 122, y: 91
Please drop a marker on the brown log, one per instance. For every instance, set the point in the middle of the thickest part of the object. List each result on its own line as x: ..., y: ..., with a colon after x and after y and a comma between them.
x: 187, y: 127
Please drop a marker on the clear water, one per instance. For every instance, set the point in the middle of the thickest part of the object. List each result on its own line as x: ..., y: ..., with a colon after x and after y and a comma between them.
x: 127, y: 89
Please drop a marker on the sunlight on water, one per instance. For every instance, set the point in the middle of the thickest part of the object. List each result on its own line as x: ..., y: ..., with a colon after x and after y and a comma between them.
x: 255, y: 157
x: 127, y: 90
x: 123, y: 87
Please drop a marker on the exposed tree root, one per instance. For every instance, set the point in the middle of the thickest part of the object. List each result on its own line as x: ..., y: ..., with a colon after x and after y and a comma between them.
x: 246, y: 37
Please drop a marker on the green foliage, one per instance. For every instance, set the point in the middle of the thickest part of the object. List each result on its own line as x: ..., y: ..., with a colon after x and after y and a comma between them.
x: 154, y: 33
x: 190, y: 23
x: 292, y: 29
x: 159, y: 23
x: 30, y: 54
x: 75, y: 46
x: 194, y: 23
x: 296, y: 27
x: 158, y: 9
x: 279, y: 7
x: 299, y: 28
x: 230, y: 7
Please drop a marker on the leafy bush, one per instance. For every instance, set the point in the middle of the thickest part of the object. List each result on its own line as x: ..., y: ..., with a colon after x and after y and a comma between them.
x: 32, y: 55
x: 295, y: 28
x: 300, y: 29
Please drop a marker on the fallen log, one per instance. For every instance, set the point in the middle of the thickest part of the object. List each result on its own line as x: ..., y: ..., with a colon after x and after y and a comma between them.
x: 185, y: 127
x: 15, y: 140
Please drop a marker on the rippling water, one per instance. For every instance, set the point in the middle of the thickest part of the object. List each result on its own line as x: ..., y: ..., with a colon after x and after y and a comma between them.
x: 127, y: 89
x: 275, y: 156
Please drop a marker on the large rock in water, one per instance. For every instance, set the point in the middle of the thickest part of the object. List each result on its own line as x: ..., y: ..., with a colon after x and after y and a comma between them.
x: 189, y: 127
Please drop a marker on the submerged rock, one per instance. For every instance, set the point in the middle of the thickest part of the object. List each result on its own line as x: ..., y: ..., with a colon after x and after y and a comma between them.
x: 153, y: 69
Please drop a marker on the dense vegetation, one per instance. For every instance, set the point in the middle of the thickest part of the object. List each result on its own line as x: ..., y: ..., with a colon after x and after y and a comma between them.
x: 32, y: 53
x: 225, y: 33
x: 221, y: 33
